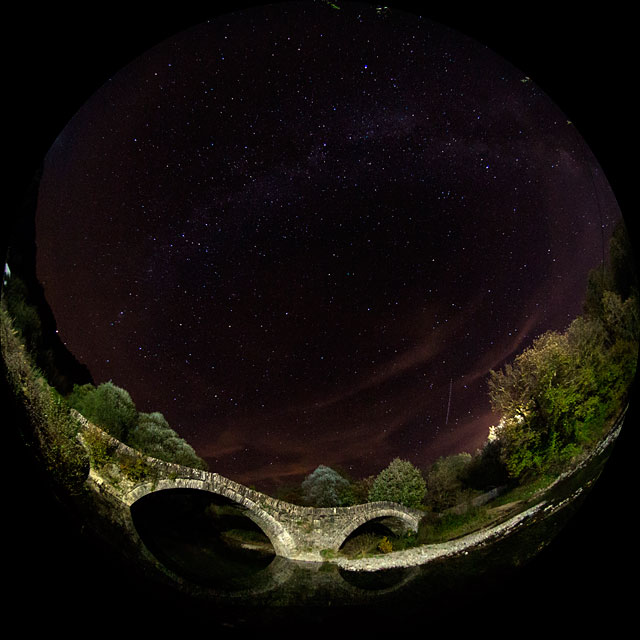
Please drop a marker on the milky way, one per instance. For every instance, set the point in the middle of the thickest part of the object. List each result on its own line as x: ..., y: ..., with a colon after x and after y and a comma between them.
x: 293, y: 229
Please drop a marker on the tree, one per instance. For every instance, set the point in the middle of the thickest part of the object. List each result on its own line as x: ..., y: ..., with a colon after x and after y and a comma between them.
x: 325, y: 487
x: 518, y: 390
x: 112, y: 408
x: 445, y: 480
x: 487, y: 469
x: 559, y: 393
x: 620, y: 319
x: 108, y: 406
x: 624, y: 276
x: 619, y: 276
x: 154, y: 437
x: 361, y: 489
x: 599, y: 280
x: 537, y: 398
x: 400, y: 482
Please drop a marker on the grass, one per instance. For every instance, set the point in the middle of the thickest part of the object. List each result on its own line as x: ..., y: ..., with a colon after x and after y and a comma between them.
x: 455, y: 525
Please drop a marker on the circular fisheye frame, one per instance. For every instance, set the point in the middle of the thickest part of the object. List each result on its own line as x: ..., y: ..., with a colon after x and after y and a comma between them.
x: 315, y: 306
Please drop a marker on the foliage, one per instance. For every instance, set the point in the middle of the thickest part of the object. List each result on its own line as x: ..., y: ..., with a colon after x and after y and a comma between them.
x: 433, y: 529
x: 361, y: 488
x: 325, y: 487
x: 153, y: 436
x: 20, y: 366
x: 101, y: 451
x: 108, y: 406
x: 559, y: 394
x: 28, y: 324
x: 26, y: 320
x: 487, y: 469
x: 624, y: 278
x: 385, y: 545
x: 599, y: 280
x: 111, y: 408
x: 400, y: 482
x: 54, y: 430
x: 65, y: 455
x: 445, y: 481
x: 136, y: 469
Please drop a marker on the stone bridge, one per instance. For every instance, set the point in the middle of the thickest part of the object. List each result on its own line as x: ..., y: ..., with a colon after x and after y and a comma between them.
x: 125, y: 476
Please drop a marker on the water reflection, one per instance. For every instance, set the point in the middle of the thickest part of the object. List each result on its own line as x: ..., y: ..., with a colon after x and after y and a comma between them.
x: 205, y: 538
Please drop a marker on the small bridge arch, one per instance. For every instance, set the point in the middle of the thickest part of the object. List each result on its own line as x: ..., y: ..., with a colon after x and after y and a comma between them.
x: 280, y: 538
x: 406, y: 520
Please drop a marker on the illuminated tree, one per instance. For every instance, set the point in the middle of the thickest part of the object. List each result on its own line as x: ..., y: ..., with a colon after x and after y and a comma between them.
x: 154, y: 437
x: 400, y: 482
x: 325, y: 487
x: 107, y: 406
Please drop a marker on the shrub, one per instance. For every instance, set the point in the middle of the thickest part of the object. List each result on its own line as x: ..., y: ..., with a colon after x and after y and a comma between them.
x: 486, y: 469
x: 54, y: 430
x: 108, y: 406
x: 153, y: 436
x: 101, y: 451
x: 25, y: 315
x: 136, y: 469
x: 445, y: 480
x: 385, y: 545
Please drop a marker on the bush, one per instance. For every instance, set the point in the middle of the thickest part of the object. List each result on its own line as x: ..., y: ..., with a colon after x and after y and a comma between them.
x: 445, y: 480
x: 385, y: 545
x: 136, y: 469
x: 54, y: 430
x: 361, y: 545
x: 487, y: 469
x: 154, y: 437
x: 400, y: 482
x: 25, y: 315
x: 101, y: 451
x: 108, y: 406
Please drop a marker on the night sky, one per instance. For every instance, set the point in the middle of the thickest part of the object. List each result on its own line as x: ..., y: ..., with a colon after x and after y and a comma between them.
x: 305, y: 235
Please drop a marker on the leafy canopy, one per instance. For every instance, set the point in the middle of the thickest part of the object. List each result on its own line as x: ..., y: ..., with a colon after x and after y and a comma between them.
x: 558, y: 395
x: 108, y: 406
x: 400, y: 482
x: 112, y: 408
x: 325, y: 487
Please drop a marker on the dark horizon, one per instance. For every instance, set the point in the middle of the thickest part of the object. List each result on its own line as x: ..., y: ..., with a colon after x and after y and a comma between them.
x: 354, y: 408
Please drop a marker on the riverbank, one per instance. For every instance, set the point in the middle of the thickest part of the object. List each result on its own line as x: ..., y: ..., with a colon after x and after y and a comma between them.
x: 543, y: 508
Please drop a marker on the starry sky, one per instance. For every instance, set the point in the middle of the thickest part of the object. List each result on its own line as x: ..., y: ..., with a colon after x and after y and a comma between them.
x: 305, y: 235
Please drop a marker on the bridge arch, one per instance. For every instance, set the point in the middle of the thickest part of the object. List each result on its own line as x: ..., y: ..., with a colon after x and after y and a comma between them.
x: 280, y: 538
x: 405, y: 521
